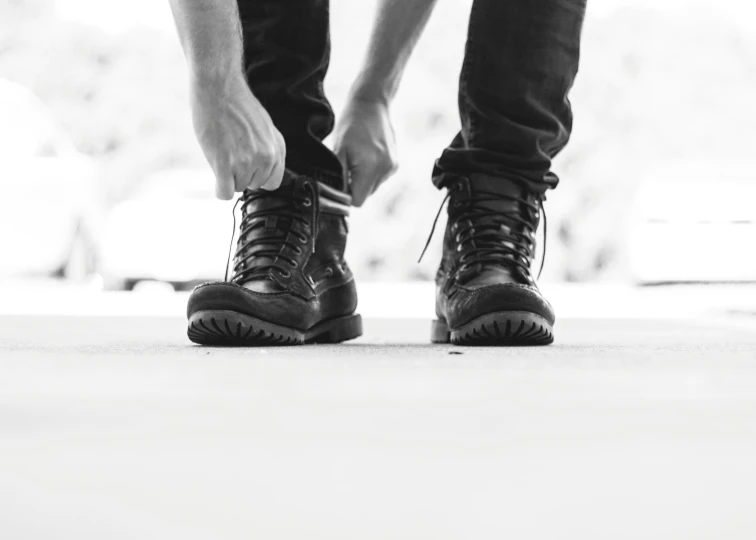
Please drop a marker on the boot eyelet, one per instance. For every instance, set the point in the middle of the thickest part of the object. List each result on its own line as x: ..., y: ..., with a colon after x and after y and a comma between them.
x: 284, y: 273
x: 307, y: 203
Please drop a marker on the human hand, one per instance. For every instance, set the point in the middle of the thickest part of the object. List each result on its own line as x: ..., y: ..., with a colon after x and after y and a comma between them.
x: 364, y: 142
x: 237, y: 136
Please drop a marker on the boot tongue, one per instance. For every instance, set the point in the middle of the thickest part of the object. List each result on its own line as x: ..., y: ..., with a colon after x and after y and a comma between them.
x: 501, y: 196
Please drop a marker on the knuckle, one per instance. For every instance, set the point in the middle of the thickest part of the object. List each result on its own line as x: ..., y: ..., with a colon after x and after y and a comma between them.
x: 255, y: 181
x: 242, y: 170
x: 244, y: 159
x: 266, y: 157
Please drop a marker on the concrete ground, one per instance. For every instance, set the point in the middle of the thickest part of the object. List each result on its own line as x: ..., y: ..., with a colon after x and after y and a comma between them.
x: 639, y: 422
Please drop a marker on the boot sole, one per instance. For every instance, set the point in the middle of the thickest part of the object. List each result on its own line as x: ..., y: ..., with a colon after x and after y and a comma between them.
x: 499, y: 328
x: 229, y: 328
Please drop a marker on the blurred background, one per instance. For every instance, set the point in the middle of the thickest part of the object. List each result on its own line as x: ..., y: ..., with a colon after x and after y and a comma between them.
x: 101, y: 178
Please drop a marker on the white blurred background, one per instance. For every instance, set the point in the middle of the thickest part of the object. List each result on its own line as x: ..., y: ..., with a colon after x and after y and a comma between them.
x: 102, y: 182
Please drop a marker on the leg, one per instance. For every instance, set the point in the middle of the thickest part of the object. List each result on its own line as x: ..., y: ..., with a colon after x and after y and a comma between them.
x: 286, y: 56
x: 290, y: 283
x: 520, y: 62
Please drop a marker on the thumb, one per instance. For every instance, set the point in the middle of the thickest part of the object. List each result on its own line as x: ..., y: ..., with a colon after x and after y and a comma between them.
x: 343, y: 156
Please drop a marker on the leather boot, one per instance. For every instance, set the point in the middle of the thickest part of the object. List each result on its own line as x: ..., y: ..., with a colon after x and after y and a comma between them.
x: 485, y: 292
x: 290, y: 283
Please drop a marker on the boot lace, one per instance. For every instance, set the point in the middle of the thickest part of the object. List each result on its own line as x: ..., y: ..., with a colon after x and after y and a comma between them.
x: 486, y: 236
x: 257, y: 257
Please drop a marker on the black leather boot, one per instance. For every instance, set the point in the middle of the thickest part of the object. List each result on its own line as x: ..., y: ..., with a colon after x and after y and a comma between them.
x: 290, y: 282
x: 485, y: 292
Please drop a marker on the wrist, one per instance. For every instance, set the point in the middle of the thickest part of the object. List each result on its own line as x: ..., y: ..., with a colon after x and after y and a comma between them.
x: 215, y: 79
x: 373, y: 89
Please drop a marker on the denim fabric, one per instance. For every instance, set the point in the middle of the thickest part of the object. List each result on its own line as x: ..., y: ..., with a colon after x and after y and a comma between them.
x: 520, y: 62
x: 287, y: 48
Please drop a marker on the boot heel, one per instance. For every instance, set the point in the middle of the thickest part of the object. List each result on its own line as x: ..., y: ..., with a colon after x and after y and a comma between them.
x: 440, y: 332
x: 338, y: 330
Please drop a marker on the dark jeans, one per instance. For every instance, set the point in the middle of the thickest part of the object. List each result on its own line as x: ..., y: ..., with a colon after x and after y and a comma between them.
x: 520, y: 62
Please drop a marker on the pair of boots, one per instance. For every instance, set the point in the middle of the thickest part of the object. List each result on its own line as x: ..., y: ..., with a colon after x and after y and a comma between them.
x: 291, y: 285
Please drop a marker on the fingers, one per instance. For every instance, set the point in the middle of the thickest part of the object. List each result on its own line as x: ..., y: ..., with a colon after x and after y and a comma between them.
x: 261, y: 169
x: 343, y: 158
x: 368, y: 174
x: 276, y: 174
x: 385, y: 171
x: 224, y: 183
x: 244, y: 173
x: 357, y: 175
x: 356, y: 181
x: 269, y: 163
x: 361, y: 185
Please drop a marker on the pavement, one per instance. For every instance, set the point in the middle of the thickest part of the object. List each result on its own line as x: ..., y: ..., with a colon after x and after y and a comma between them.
x: 639, y: 422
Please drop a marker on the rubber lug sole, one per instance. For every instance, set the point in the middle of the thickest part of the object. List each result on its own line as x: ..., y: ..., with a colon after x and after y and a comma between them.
x: 229, y: 328
x: 499, y: 328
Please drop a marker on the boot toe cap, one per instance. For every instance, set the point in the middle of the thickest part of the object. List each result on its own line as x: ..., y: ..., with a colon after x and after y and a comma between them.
x: 275, y: 307
x: 467, y: 305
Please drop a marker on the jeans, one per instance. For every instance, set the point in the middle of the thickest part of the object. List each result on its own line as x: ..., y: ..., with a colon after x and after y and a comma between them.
x: 520, y: 62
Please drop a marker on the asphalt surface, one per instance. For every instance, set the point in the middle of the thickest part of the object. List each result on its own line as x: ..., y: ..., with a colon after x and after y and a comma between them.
x: 118, y: 427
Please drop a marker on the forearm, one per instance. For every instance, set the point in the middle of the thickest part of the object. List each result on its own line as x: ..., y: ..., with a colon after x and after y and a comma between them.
x: 210, y: 34
x: 398, y: 26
